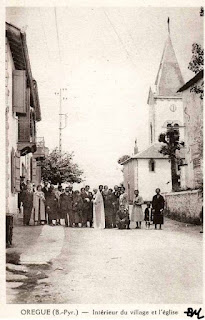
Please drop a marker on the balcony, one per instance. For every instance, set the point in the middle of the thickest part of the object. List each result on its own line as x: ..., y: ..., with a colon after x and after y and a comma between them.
x: 40, y: 149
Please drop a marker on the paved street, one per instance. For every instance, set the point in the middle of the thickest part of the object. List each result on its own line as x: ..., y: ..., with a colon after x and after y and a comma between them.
x: 65, y: 265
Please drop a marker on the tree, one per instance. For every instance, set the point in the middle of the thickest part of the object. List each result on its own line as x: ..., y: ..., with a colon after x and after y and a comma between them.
x: 169, y: 148
x: 123, y: 158
x: 197, y: 63
x: 59, y: 168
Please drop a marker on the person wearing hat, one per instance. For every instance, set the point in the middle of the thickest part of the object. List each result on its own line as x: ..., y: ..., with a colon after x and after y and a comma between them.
x: 66, y: 206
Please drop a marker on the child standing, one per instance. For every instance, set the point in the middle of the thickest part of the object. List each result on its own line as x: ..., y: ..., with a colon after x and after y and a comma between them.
x: 148, y: 215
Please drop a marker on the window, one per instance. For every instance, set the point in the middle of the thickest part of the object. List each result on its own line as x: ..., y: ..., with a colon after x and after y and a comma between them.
x: 19, y: 91
x: 152, y: 165
x: 15, y: 171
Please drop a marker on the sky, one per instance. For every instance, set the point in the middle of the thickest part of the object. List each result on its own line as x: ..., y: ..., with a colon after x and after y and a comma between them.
x: 107, y: 58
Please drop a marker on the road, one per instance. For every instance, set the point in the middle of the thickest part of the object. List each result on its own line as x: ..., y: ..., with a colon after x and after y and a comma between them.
x: 85, y: 266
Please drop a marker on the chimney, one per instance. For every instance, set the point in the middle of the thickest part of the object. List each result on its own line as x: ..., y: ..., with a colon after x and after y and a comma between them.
x: 136, y: 147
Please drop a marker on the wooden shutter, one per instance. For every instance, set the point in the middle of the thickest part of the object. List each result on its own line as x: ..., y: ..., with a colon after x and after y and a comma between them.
x: 34, y: 165
x: 12, y: 170
x: 17, y: 171
x: 23, y: 129
x: 19, y: 91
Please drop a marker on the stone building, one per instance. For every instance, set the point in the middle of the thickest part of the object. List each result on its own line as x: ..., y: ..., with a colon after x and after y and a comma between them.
x: 149, y: 169
x: 22, y: 112
x: 193, y: 115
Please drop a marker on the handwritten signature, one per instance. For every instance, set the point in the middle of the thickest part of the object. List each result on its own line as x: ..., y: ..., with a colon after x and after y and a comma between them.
x: 193, y: 312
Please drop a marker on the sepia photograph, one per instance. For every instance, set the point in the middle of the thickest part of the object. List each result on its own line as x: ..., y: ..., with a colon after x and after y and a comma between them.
x: 104, y: 157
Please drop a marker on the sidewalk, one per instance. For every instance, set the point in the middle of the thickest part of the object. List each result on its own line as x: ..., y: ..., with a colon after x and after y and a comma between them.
x: 23, y: 237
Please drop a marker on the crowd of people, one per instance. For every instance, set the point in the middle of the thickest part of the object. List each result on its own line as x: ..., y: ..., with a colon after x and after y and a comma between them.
x: 102, y: 208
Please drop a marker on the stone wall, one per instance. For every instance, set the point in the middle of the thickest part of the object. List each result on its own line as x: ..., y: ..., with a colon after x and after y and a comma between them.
x: 193, y: 112
x: 184, y: 206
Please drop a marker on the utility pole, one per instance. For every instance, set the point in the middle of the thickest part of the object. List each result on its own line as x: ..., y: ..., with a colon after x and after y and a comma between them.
x: 61, y: 94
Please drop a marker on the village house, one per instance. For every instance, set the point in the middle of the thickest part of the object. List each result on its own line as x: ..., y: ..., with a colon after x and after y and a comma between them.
x: 187, y: 205
x: 22, y: 113
x: 149, y: 169
x: 193, y: 115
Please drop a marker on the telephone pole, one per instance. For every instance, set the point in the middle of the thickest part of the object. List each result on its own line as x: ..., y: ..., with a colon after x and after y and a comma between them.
x: 61, y: 94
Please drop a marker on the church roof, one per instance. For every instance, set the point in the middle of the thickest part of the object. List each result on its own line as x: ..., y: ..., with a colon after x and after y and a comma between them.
x: 169, y: 78
x: 152, y: 152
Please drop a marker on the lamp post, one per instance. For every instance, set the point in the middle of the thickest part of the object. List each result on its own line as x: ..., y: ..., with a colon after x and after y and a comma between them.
x: 61, y: 94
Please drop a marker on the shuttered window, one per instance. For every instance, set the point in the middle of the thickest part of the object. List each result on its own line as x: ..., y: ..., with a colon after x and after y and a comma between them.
x: 12, y: 170
x: 34, y: 165
x: 24, y: 121
x: 17, y: 171
x: 19, y: 91
x: 23, y: 129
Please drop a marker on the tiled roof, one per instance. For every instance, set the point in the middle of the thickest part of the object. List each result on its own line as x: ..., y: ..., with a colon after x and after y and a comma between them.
x: 151, y: 152
x: 19, y: 51
x: 169, y: 78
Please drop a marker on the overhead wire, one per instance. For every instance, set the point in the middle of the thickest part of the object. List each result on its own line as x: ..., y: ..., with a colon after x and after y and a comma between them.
x: 129, y: 33
x: 44, y: 34
x: 119, y: 39
x: 58, y: 41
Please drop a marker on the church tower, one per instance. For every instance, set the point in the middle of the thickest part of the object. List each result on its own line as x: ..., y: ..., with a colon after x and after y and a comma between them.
x: 165, y: 103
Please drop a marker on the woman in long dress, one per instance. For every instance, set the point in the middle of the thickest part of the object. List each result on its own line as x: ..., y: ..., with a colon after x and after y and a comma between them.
x: 39, y: 206
x: 157, y: 209
x: 137, y: 213
x: 108, y: 204
x: 98, y: 210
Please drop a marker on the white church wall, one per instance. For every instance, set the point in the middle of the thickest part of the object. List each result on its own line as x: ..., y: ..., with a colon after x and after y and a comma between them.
x: 148, y: 181
x: 163, y: 114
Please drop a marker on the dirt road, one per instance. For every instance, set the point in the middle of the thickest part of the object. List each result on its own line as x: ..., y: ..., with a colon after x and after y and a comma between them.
x: 112, y: 266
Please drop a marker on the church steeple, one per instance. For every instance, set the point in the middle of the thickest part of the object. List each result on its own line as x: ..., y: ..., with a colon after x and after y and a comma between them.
x: 169, y: 78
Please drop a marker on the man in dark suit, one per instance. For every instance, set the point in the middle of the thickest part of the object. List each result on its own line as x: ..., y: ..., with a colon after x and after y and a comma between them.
x: 23, y: 187
x: 87, y: 206
x: 116, y: 195
x: 66, y: 206
x: 27, y: 200
x: 46, y: 190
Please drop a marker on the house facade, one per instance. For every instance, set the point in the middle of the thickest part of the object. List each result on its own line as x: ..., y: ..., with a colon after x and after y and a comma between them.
x: 146, y: 171
x: 22, y: 112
